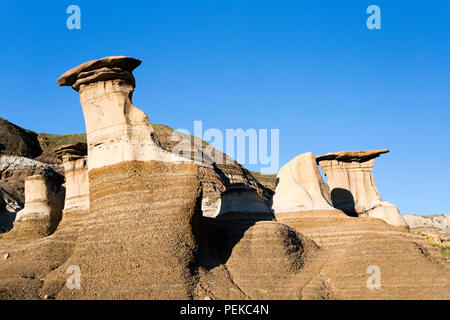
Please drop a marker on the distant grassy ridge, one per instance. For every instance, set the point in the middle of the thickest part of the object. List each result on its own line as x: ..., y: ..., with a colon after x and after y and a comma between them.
x: 55, y: 140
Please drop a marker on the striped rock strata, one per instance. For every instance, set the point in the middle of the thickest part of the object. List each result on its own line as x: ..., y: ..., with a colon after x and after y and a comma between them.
x: 140, y: 239
x: 351, y: 248
x: 433, y: 224
x: 353, y: 190
x: 217, y: 171
x: 252, y: 256
x: 31, y: 260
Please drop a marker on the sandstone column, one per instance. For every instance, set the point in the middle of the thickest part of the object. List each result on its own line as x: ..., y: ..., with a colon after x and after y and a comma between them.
x: 353, y: 190
x: 42, y: 211
x: 75, y: 162
x: 140, y: 240
x: 117, y: 131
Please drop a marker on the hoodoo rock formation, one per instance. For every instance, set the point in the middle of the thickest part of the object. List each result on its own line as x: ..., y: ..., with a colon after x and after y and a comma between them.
x: 117, y: 131
x: 75, y: 161
x: 42, y: 211
x: 133, y: 223
x: 145, y: 203
x: 300, y: 187
x: 353, y: 190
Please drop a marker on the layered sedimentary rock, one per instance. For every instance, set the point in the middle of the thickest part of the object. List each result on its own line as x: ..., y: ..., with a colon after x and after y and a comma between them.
x: 300, y: 187
x: 31, y: 260
x: 116, y: 130
x: 140, y: 240
x: 353, y: 190
x: 243, y: 199
x: 217, y: 171
x: 433, y: 225
x: 268, y: 260
x: 352, y: 248
x: 252, y: 256
x: 42, y: 211
x: 75, y: 163
x: 144, y: 237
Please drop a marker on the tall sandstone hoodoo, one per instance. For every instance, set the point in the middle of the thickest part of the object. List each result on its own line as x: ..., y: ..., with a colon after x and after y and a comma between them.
x: 140, y: 240
x: 117, y: 131
x: 353, y: 190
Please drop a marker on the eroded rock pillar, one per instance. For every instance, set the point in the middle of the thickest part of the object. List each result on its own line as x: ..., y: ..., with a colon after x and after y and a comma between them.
x: 42, y: 211
x: 117, y: 131
x: 140, y: 241
x: 352, y: 185
x: 75, y: 162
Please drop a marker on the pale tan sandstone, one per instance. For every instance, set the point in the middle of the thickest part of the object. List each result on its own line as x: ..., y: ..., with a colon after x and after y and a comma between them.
x: 218, y: 172
x: 410, y: 268
x: 42, y: 211
x: 432, y: 225
x: 140, y: 239
x: 243, y: 199
x: 141, y: 236
x: 353, y: 190
x: 117, y: 131
x: 33, y: 259
x: 300, y: 187
x: 75, y: 163
x: 14, y: 170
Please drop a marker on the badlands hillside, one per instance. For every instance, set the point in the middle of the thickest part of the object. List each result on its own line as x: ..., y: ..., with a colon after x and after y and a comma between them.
x: 136, y: 219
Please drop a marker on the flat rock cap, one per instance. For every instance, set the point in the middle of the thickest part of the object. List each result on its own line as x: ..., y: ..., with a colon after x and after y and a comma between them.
x: 127, y: 64
x: 76, y: 149
x: 349, y: 156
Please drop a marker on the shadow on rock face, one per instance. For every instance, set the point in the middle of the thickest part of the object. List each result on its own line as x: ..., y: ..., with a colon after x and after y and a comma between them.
x: 6, y: 220
x: 342, y: 199
x: 221, y: 234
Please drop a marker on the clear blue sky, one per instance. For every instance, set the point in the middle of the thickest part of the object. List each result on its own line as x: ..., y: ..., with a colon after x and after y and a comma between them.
x: 309, y: 68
